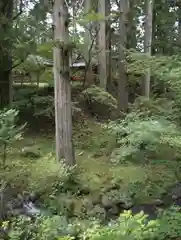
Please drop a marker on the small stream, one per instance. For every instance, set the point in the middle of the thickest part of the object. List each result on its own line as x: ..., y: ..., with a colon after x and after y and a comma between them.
x: 172, y: 197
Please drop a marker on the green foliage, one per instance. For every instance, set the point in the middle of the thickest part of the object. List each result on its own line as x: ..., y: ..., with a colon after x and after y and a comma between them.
x: 100, y: 102
x: 38, y: 103
x: 45, y: 50
x: 128, y: 227
x: 154, y: 108
x: 96, y: 94
x: 44, y: 177
x: 43, y: 228
x: 9, y: 132
x: 49, y: 179
x: 145, y: 138
x: 94, y: 138
x: 119, y: 197
x: 47, y: 76
x: 170, y: 224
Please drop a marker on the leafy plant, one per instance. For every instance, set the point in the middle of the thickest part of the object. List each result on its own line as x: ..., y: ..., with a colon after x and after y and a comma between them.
x: 9, y: 132
x: 38, y: 103
x: 170, y: 224
x: 98, y: 102
x: 128, y: 227
x: 43, y: 228
x: 47, y: 176
x: 155, y: 108
x: 145, y: 138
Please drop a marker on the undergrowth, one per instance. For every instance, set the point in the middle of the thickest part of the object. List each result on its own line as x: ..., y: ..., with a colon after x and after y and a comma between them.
x: 127, y: 227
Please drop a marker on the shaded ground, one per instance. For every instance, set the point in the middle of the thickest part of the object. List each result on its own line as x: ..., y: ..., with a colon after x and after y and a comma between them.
x: 148, y: 182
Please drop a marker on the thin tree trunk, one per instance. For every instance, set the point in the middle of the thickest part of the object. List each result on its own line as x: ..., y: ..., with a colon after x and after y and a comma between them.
x: 147, y: 45
x: 87, y: 47
x: 63, y: 112
x: 179, y: 25
x: 132, y: 42
x: 6, y: 10
x: 122, y: 82
x: 102, y: 45
x: 108, y: 48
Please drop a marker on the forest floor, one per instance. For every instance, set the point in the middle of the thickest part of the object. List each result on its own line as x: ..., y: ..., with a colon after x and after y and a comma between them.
x: 94, y: 166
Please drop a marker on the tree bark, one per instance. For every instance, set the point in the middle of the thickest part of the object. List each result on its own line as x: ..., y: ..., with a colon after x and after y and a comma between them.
x: 108, y: 48
x: 179, y: 25
x: 132, y: 42
x: 102, y: 45
x: 87, y: 47
x: 122, y: 82
x: 63, y: 112
x: 6, y: 11
x: 147, y: 45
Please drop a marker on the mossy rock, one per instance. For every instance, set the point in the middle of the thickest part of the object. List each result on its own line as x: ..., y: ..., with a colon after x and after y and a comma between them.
x: 117, y: 198
x: 30, y: 152
x: 95, y: 198
x: 98, y: 102
x: 97, y: 212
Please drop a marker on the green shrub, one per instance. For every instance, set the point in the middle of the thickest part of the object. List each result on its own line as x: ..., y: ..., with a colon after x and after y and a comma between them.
x: 98, y: 102
x: 44, y: 176
x: 138, y: 227
x: 48, y: 176
x: 41, y: 106
x: 128, y: 227
x: 156, y: 107
x: 9, y: 132
x: 149, y: 138
x: 170, y: 224
x: 43, y: 228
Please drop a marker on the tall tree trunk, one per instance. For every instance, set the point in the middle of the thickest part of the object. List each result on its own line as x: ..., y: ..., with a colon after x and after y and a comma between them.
x: 88, y: 47
x: 63, y: 112
x: 122, y: 82
x: 154, y: 28
x: 102, y: 45
x: 179, y: 25
x: 108, y: 47
x: 147, y: 45
x: 6, y: 10
x: 132, y: 42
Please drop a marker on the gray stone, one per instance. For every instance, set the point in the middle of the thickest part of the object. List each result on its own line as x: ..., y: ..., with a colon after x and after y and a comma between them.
x: 158, y: 202
x: 113, y: 211
x: 106, y: 202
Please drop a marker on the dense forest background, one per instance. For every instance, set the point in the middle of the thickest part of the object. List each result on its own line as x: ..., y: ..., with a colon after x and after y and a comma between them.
x: 90, y: 119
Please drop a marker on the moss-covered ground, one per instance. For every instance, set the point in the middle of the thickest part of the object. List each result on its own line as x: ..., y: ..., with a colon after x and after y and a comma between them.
x: 95, y: 171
